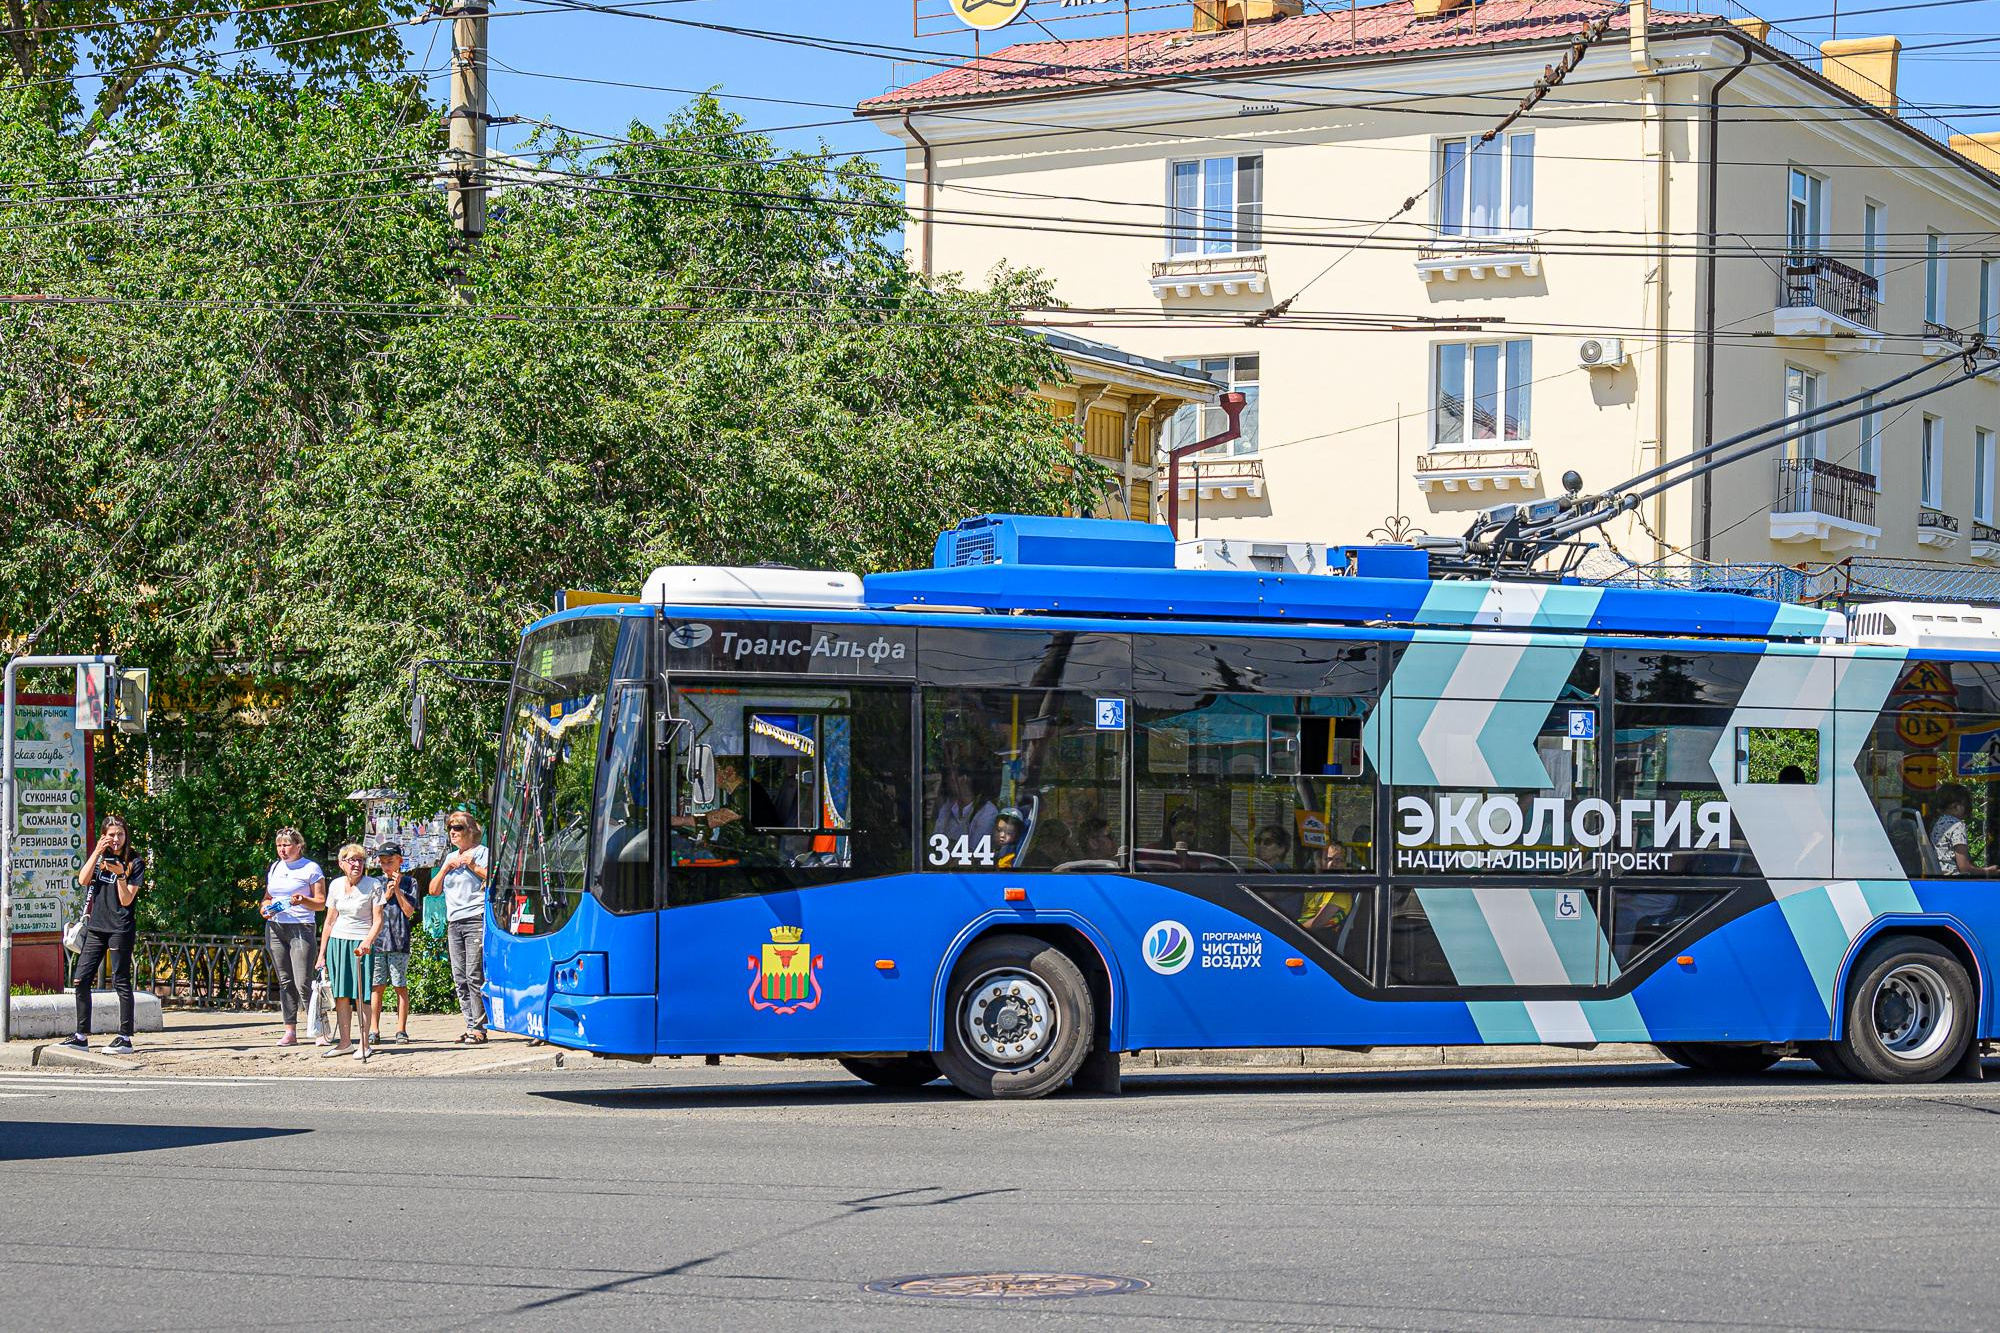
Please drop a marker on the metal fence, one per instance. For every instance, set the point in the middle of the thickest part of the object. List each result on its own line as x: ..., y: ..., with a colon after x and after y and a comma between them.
x: 1834, y: 585
x: 206, y: 971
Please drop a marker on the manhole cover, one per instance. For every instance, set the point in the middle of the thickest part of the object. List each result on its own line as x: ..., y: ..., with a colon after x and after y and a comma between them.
x: 1005, y: 1286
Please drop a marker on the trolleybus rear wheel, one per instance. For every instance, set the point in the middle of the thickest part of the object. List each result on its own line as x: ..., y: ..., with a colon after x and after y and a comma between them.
x: 1018, y: 1019
x: 1909, y: 1011
x: 894, y: 1071
x: 1718, y: 1057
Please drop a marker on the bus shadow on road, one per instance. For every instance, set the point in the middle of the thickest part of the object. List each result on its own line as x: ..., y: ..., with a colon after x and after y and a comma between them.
x: 41, y: 1140
x: 835, y: 1090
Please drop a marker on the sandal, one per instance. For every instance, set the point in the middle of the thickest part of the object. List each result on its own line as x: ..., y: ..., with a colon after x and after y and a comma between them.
x: 463, y: 1039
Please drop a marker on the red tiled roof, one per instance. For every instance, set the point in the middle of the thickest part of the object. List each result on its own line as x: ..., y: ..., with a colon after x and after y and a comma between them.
x: 1378, y: 30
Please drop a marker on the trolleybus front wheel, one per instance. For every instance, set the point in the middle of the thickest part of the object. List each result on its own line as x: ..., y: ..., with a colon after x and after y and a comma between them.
x: 901, y: 1072
x: 1019, y: 1019
x: 1718, y: 1057
x: 1909, y: 1011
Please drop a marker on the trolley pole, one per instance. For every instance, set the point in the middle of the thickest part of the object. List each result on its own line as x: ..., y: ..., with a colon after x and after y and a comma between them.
x: 7, y: 822
x: 468, y: 118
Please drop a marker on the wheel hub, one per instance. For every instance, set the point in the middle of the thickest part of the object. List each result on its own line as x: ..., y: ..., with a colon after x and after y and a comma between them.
x: 1913, y: 1012
x: 1009, y: 1019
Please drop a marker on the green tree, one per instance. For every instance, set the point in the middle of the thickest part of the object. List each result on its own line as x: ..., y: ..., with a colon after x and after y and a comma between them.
x: 144, y: 55
x: 272, y: 434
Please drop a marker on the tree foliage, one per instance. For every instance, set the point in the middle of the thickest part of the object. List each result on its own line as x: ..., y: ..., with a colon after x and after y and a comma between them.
x: 269, y: 432
x: 80, y: 66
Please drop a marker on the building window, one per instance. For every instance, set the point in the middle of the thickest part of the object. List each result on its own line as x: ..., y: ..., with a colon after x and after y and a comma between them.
x: 1495, y: 411
x: 1874, y: 228
x: 1215, y: 205
x: 1191, y: 423
x: 1934, y: 279
x: 1805, y: 212
x: 1805, y: 390
x: 1982, y: 481
x: 1932, y: 495
x: 1486, y: 189
x: 1871, y: 438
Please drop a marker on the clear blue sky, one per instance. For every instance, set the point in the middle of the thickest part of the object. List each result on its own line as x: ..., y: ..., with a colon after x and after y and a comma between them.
x: 662, y: 55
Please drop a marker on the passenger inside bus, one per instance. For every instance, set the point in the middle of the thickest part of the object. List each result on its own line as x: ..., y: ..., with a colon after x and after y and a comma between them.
x: 967, y: 810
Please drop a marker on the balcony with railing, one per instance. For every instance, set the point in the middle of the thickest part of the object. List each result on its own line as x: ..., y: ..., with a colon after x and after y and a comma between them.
x: 1478, y: 470
x: 1825, y: 503
x: 1222, y: 478
x: 1453, y: 257
x: 1823, y: 300
x: 1985, y: 540
x: 1211, y: 275
x: 1942, y: 339
x: 1936, y: 528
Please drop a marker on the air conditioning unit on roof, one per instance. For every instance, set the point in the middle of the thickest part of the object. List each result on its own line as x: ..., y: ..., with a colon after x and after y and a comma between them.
x: 1924, y: 625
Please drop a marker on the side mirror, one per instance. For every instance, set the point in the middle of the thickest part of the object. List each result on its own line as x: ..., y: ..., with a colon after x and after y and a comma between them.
x: 701, y: 775
x: 416, y: 721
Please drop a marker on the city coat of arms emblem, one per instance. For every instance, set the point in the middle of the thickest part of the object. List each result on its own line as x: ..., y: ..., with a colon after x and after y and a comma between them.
x: 787, y: 977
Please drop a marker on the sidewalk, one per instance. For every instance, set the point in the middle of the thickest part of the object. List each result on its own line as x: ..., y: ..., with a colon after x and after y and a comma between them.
x: 210, y: 1042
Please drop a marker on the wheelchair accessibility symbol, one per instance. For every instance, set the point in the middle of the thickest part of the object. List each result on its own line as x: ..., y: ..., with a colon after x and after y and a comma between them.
x: 1569, y: 906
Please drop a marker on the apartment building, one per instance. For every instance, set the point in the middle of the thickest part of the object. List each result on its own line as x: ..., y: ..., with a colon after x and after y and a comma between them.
x: 1703, y: 228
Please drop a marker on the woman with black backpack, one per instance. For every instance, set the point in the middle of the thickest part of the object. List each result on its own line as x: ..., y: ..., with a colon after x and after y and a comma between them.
x: 112, y: 877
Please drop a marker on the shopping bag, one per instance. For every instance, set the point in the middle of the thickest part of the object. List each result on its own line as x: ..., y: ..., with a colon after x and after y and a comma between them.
x: 434, y: 917
x: 319, y: 1010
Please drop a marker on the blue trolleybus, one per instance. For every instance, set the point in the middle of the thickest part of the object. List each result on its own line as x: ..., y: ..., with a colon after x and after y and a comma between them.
x: 1057, y: 798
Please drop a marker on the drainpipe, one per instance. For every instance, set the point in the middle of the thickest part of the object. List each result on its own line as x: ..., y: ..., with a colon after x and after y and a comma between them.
x: 1653, y: 131
x: 924, y: 213
x: 1708, y: 236
x: 1232, y: 403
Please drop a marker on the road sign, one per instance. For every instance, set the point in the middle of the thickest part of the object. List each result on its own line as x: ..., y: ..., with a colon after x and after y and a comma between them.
x: 1926, y: 678
x: 92, y: 682
x: 1923, y: 723
x: 1976, y: 753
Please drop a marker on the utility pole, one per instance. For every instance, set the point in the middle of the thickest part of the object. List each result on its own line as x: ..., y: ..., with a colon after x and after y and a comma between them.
x: 468, y: 118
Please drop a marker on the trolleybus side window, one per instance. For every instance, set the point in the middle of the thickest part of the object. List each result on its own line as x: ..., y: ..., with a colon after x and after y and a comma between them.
x: 1929, y: 772
x: 1646, y: 676
x: 1023, y: 749
x: 542, y: 813
x: 1665, y: 774
x: 809, y: 786
x: 1019, y: 779
x: 1267, y: 782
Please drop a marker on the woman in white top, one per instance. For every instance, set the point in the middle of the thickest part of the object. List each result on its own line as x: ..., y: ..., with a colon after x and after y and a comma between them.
x: 353, y: 920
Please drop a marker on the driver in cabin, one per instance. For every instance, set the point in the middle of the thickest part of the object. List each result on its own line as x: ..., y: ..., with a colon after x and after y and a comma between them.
x: 736, y: 799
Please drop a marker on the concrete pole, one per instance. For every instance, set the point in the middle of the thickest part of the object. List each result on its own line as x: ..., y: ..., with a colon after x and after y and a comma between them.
x: 7, y: 823
x: 468, y: 118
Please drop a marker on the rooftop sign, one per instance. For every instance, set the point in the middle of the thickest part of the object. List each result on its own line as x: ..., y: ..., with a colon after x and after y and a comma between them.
x: 988, y: 14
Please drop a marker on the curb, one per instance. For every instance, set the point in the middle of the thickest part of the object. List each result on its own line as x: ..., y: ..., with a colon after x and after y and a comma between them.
x: 54, y: 1056
x: 20, y: 1054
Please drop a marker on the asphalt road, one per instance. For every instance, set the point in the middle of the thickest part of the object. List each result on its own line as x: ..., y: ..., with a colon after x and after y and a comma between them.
x: 1621, y: 1197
